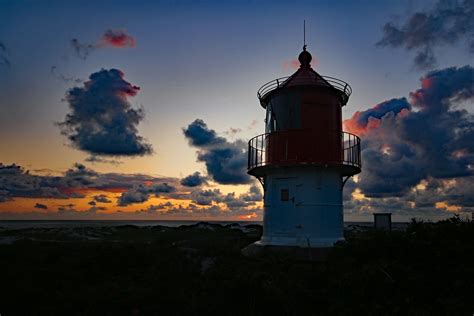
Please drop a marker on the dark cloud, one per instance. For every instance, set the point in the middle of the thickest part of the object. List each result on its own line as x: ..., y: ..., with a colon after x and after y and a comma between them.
x: 96, y: 159
x: 198, y: 134
x: 4, y: 61
x: 206, y: 197
x: 142, y: 193
x: 80, y: 172
x: 253, y: 195
x: 4, y: 196
x: 434, y: 138
x: 362, y: 120
x: 94, y: 209
x: 226, y: 162
x: 102, y: 121
x: 41, y: 206
x: 156, y: 209
x: 15, y: 182
x: 68, y: 79
x: 194, y: 180
x: 102, y: 198
x: 67, y: 209
x: 449, y: 22
x: 82, y: 50
x: 231, y: 200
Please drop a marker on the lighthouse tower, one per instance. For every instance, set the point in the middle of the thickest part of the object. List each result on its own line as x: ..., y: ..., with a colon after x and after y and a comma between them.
x: 304, y: 158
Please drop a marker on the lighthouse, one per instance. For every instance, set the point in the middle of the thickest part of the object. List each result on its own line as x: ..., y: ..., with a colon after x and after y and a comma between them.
x: 304, y: 158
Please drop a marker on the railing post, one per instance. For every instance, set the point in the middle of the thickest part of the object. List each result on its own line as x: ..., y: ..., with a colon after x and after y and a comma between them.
x: 248, y: 156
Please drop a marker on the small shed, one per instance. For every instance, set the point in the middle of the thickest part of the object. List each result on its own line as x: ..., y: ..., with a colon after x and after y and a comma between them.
x: 383, y: 221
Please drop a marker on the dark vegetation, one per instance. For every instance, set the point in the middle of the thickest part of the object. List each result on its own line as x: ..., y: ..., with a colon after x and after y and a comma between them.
x: 197, y: 270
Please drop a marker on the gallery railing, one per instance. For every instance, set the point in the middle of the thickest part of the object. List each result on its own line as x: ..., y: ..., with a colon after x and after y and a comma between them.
x: 280, y: 82
x: 304, y: 147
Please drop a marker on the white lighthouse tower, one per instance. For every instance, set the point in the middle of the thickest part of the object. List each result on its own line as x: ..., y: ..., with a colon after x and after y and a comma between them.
x: 304, y: 158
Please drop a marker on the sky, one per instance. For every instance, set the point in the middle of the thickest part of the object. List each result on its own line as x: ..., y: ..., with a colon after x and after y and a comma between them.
x: 126, y: 110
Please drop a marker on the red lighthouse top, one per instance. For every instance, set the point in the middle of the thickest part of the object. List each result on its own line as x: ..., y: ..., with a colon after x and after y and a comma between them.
x: 303, y: 77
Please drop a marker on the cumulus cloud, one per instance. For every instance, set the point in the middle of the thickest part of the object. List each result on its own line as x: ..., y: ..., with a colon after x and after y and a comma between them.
x: 448, y: 23
x: 102, y: 121
x: 206, y: 197
x: 111, y: 38
x: 226, y: 161
x: 432, y: 137
x: 231, y: 200
x: 142, y: 193
x: 370, y: 118
x: 253, y: 195
x: 4, y: 61
x: 41, y: 206
x: 194, y: 180
x: 17, y: 182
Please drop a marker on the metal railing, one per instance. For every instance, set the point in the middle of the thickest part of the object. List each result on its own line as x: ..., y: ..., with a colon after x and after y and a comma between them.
x: 277, y: 83
x: 278, y: 148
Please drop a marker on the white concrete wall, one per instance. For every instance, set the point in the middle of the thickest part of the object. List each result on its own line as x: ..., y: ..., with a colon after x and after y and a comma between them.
x: 313, y: 215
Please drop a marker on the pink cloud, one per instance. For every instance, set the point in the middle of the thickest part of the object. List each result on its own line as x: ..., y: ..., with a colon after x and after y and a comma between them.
x: 118, y: 39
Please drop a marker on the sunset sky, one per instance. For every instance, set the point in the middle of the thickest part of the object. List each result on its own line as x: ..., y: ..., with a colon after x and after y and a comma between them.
x: 110, y: 109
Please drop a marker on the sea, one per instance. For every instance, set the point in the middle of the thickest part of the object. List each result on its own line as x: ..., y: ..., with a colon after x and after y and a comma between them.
x: 23, y: 224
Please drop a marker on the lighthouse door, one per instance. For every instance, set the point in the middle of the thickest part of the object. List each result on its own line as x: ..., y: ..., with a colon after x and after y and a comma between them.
x: 284, y: 198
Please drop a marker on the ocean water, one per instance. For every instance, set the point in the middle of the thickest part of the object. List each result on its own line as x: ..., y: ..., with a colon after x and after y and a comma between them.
x: 22, y: 224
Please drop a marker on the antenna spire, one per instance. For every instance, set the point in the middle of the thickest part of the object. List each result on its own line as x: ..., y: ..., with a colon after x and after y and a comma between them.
x: 304, y: 34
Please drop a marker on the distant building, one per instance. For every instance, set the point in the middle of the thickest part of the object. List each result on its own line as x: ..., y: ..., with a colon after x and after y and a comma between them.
x: 383, y: 221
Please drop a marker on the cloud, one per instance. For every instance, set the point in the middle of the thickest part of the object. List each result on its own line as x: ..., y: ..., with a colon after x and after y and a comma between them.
x: 370, y: 118
x: 102, y: 198
x: 194, y: 180
x: 4, y: 196
x: 294, y: 64
x: 432, y: 137
x: 82, y: 50
x: 253, y: 195
x: 141, y: 193
x: 291, y: 64
x: 41, y: 206
x: 226, y: 162
x: 102, y: 121
x: 110, y: 39
x: 94, y: 209
x: 16, y: 182
x: 67, y: 209
x: 4, y: 61
x: 206, y: 197
x: 96, y: 159
x: 54, y: 72
x: 118, y: 39
x: 231, y: 200
x: 448, y: 23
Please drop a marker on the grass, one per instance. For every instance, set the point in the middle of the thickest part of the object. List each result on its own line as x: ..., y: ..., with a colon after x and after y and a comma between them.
x: 426, y: 270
